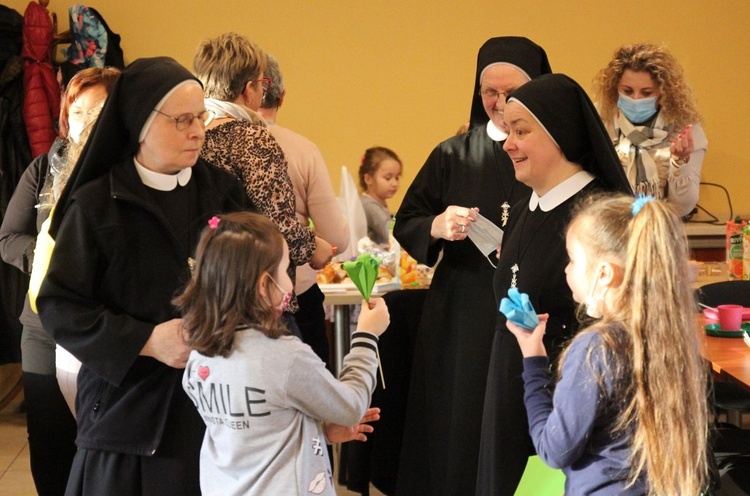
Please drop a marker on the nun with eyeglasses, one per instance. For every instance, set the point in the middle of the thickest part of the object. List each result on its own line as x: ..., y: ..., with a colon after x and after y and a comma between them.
x: 125, y: 228
x: 560, y: 149
x: 464, y: 176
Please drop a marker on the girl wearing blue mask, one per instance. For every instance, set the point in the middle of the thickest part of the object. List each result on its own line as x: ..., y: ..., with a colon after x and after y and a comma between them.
x: 649, y: 110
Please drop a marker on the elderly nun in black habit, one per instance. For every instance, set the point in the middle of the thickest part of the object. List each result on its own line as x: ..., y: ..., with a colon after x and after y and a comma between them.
x: 125, y: 229
x: 452, y: 350
x: 561, y: 150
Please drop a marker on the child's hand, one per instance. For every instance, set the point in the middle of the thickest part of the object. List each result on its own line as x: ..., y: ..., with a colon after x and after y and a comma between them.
x: 530, y: 341
x: 375, y: 317
x: 341, y: 433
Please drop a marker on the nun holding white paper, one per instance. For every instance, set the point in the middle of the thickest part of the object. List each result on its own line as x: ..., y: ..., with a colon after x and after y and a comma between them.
x: 559, y: 148
x: 451, y: 352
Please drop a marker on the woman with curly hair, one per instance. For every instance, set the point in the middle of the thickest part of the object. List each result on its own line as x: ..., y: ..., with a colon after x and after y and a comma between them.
x: 650, y: 113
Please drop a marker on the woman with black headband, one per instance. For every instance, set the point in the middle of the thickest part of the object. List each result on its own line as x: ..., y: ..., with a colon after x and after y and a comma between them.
x: 463, y: 176
x: 125, y: 228
x: 560, y: 149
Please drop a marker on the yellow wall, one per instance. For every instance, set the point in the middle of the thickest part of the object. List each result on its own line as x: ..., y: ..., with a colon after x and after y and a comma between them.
x: 400, y: 74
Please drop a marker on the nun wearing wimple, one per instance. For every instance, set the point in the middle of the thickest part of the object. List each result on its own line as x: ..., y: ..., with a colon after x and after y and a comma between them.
x: 452, y: 348
x: 560, y: 149
x: 125, y: 229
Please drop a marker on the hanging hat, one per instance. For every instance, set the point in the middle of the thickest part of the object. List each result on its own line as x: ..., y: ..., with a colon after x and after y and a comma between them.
x: 565, y: 111
x: 516, y: 51
x: 115, y: 136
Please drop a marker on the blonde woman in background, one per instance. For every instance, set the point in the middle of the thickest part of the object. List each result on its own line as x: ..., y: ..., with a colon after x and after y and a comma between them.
x: 231, y: 68
x: 650, y: 113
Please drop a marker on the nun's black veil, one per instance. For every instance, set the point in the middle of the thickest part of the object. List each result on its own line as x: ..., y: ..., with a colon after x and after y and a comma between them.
x: 565, y: 110
x: 514, y: 50
x: 114, y: 138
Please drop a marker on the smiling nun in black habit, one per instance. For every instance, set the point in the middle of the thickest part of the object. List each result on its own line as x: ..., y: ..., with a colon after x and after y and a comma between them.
x: 125, y: 228
x: 561, y: 150
x: 452, y: 350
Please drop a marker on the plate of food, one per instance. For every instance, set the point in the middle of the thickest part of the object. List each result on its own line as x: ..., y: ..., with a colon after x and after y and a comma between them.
x: 333, y: 278
x: 716, y: 331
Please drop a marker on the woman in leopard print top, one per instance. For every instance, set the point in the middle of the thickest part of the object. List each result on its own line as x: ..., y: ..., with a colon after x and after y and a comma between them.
x: 231, y: 70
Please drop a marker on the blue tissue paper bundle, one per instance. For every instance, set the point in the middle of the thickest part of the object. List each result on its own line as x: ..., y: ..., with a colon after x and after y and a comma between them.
x: 518, y: 309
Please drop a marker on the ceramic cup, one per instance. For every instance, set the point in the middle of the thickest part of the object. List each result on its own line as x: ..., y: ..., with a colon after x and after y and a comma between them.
x: 730, y: 317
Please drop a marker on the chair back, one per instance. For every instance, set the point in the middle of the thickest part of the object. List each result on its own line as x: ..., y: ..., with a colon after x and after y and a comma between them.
x: 724, y: 292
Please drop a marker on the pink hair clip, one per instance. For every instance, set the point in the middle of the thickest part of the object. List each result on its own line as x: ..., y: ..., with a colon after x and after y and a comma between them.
x: 213, y: 222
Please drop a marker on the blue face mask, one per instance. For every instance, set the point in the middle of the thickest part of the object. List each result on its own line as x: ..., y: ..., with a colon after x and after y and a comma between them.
x: 637, y: 111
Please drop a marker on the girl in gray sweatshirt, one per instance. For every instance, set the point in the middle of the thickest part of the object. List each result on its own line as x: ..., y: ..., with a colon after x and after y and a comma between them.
x: 269, y: 404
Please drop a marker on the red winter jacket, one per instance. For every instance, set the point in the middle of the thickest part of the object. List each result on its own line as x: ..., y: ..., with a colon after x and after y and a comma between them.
x: 41, y: 106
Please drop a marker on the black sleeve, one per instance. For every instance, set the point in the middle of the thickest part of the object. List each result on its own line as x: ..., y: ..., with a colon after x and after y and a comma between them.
x: 422, y: 203
x: 19, y: 228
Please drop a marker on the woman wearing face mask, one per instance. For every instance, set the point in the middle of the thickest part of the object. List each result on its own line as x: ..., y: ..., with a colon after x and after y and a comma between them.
x: 650, y: 113
x: 50, y: 424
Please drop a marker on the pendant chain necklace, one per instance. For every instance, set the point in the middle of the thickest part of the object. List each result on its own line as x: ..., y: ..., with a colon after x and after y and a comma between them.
x: 190, y: 260
x: 505, y: 206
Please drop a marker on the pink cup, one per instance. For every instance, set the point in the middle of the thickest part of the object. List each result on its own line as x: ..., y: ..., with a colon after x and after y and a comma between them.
x: 730, y: 317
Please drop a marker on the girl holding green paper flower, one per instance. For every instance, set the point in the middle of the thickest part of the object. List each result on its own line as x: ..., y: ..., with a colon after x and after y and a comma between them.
x: 268, y: 401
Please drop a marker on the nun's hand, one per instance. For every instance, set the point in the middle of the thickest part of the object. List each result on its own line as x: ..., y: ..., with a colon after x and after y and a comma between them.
x: 167, y: 344
x: 682, y: 146
x: 454, y: 223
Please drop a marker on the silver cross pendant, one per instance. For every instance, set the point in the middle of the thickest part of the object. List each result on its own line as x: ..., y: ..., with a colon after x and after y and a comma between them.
x: 514, y: 279
x: 506, y: 209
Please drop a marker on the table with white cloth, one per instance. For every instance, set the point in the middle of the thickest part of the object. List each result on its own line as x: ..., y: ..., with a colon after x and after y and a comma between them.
x: 341, y: 297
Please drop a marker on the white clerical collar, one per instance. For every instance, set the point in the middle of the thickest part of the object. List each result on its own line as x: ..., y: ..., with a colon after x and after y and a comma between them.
x: 561, y: 192
x: 495, y: 133
x: 163, y: 182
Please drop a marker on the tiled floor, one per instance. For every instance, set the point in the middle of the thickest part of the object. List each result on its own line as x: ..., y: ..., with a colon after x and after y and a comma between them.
x: 15, y: 475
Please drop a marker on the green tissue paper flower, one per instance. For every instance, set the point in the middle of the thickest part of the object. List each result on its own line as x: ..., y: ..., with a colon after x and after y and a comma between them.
x: 363, y: 272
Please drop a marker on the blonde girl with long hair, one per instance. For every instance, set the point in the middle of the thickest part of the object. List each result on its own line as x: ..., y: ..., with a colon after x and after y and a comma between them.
x: 650, y: 112
x: 629, y: 411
